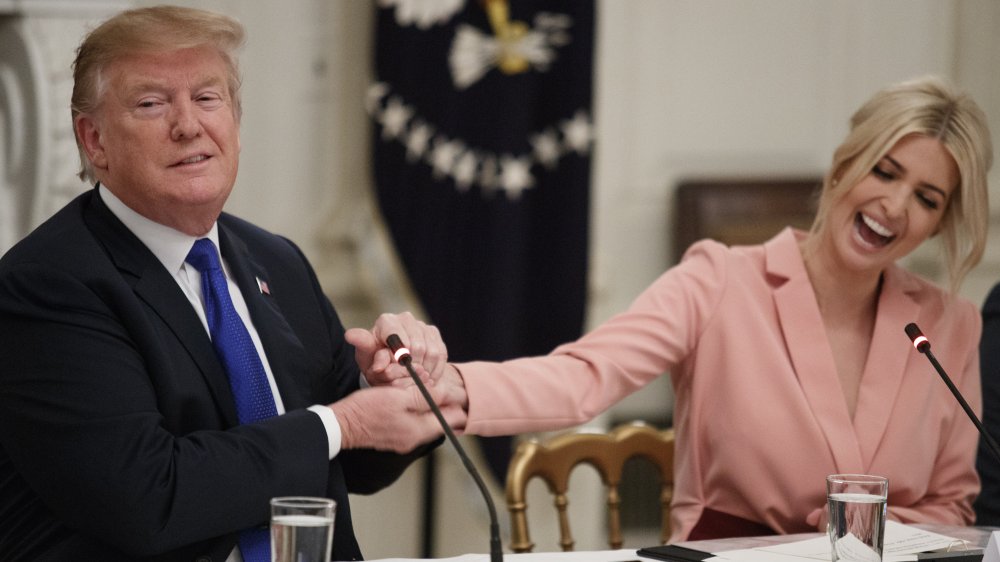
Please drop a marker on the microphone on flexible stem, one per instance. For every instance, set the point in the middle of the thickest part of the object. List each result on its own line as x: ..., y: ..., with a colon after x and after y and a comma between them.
x: 923, y: 345
x: 402, y: 356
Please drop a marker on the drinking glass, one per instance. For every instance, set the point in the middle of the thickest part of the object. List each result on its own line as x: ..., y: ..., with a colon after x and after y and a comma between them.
x: 857, y: 505
x: 301, y: 529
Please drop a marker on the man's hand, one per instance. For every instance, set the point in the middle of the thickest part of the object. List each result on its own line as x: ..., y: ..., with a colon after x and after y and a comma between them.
x: 388, y: 418
x: 430, y: 355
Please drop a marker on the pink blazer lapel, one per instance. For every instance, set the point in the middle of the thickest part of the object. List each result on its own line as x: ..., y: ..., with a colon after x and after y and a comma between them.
x: 890, y: 349
x: 810, y: 352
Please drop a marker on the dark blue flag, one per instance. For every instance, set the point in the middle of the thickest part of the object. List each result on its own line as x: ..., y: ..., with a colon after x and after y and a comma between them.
x: 482, y: 143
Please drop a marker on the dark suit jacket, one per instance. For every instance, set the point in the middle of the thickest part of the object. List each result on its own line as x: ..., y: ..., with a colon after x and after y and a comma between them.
x: 987, y: 505
x: 118, y: 431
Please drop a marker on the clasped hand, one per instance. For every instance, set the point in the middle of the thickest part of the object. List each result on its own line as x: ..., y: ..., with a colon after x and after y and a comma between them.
x: 374, y: 358
x: 392, y: 415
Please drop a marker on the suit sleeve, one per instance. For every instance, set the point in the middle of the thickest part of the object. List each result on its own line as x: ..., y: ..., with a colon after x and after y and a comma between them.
x: 988, y: 503
x: 81, y: 425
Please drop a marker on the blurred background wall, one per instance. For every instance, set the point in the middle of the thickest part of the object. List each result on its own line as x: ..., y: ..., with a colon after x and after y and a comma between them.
x: 684, y: 90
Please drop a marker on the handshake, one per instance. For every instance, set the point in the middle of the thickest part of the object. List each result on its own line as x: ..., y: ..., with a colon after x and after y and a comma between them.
x: 392, y: 414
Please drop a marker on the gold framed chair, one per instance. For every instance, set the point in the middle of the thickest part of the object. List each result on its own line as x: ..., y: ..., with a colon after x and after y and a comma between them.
x: 554, y: 460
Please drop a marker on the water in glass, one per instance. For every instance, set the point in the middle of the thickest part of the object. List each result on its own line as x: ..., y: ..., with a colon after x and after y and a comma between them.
x: 857, y: 526
x: 301, y: 538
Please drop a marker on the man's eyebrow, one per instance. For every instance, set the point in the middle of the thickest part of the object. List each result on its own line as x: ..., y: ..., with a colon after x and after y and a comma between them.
x: 144, y: 85
x: 153, y: 84
x: 902, y: 168
x: 210, y: 80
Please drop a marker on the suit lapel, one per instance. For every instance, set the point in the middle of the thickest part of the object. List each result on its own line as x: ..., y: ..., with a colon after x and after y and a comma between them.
x: 280, y: 343
x: 886, y: 363
x: 809, y: 350
x: 156, y: 287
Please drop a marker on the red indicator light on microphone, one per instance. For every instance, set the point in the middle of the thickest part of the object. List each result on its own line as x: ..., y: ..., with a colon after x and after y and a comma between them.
x: 920, y: 341
x: 399, y: 351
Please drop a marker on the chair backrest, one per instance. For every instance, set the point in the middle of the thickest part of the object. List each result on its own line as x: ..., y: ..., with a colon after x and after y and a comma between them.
x: 742, y: 211
x: 555, y: 459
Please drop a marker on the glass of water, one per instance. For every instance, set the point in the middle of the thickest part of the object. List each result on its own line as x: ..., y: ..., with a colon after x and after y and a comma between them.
x: 857, y: 516
x: 301, y: 529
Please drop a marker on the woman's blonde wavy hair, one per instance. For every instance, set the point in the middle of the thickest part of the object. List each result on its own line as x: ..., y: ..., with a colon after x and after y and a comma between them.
x: 932, y: 107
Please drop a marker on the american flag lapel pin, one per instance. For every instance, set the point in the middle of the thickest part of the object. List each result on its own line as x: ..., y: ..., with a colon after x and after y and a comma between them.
x: 264, y: 289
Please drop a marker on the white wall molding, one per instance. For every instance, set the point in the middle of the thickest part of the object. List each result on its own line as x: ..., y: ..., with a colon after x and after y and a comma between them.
x: 38, y: 161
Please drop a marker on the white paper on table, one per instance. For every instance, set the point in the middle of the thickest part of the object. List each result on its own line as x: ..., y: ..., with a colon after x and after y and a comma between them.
x: 901, y: 543
x: 850, y: 547
x: 755, y: 555
x: 992, y: 552
x: 619, y: 555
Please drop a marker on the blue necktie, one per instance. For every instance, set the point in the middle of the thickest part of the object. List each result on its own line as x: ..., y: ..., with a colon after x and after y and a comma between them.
x: 247, y: 379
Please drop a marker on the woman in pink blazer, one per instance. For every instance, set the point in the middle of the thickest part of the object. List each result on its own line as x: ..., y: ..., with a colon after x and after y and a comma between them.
x: 788, y: 360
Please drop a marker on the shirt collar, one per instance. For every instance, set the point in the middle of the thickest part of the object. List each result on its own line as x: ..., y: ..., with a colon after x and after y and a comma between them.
x: 170, y: 246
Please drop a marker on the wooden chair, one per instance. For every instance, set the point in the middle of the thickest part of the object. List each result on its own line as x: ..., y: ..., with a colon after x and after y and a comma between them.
x: 742, y: 211
x: 555, y: 459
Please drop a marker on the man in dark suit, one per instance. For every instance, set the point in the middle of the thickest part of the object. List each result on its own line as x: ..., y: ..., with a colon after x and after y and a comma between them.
x: 987, y: 505
x: 120, y: 421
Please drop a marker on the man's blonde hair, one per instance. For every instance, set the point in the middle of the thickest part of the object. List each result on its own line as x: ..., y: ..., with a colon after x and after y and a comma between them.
x: 151, y: 30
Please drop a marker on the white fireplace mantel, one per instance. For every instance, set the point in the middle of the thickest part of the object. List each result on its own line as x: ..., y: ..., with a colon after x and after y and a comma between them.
x: 38, y: 156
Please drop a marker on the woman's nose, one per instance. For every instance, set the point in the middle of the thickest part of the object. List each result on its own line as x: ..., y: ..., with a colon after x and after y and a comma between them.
x: 895, y: 202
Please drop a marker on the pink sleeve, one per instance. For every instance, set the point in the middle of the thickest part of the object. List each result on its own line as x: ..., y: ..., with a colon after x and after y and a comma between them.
x: 579, y: 380
x: 954, y: 483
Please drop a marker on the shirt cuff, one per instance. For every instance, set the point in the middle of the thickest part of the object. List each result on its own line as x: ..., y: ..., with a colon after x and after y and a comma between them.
x: 329, y: 420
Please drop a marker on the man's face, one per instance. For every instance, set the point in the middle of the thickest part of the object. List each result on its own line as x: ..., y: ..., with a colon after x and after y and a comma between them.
x: 165, y: 138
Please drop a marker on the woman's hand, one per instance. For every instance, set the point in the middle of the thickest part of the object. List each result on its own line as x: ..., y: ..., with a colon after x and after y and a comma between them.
x: 374, y: 358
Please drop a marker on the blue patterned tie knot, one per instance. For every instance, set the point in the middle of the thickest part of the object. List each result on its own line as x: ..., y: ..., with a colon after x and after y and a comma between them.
x: 235, y: 348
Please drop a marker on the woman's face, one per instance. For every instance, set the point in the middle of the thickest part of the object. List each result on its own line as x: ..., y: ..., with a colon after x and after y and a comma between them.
x: 895, y: 207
